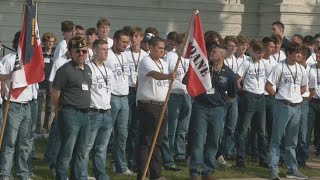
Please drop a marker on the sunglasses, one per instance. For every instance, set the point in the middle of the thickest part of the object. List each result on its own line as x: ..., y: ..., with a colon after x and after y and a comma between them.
x: 83, y: 51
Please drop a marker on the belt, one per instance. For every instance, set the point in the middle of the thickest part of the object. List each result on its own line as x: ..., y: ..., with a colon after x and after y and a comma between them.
x: 305, y: 98
x: 119, y: 95
x: 151, y: 102
x: 253, y: 94
x: 21, y: 104
x: 289, y: 103
x: 83, y: 110
x: 98, y: 110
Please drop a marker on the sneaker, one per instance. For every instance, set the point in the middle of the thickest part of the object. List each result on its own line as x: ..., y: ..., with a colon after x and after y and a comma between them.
x: 91, y: 178
x: 274, y: 176
x: 296, y: 175
x: 113, y: 168
x: 173, y: 168
x: 228, y: 157
x: 128, y: 173
x: 222, y: 163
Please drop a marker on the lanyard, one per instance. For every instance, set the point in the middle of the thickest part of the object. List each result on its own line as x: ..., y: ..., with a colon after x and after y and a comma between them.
x: 134, y: 61
x: 276, y: 58
x: 121, y: 63
x: 255, y: 70
x: 232, y: 63
x: 160, y: 68
x: 295, y: 77
x: 104, y: 77
x: 314, y: 59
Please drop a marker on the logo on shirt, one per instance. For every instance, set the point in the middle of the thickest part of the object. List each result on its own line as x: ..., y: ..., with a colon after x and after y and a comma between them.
x: 223, y: 79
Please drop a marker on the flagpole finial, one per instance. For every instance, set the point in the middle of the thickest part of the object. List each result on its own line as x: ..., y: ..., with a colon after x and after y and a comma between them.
x: 195, y: 11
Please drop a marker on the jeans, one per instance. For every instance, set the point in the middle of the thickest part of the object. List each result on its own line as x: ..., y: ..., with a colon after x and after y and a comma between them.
x: 286, y: 122
x: 34, y: 110
x: 206, y: 126
x: 269, y: 113
x: 167, y: 156
x: 314, y: 120
x: 17, y: 135
x: 254, y: 117
x: 133, y: 137
x: 74, y: 127
x: 179, y: 112
x: 302, y: 148
x: 44, y: 95
x: 148, y: 115
x: 53, y: 144
x: 231, y: 119
x: 100, y: 130
x: 120, y: 117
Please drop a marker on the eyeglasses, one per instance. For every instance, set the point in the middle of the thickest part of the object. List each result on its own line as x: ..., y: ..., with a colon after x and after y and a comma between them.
x: 81, y: 50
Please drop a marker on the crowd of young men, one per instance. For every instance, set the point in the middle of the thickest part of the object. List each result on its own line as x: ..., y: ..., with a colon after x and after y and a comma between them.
x: 110, y: 92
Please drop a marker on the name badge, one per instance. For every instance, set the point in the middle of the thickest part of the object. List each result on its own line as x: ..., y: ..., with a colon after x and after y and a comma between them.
x: 211, y: 91
x: 126, y: 70
x: 134, y: 76
x: 46, y: 60
x: 85, y: 86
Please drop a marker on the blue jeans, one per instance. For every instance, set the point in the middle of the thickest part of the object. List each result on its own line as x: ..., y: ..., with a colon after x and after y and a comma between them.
x: 100, y: 130
x: 314, y: 120
x: 205, y: 126
x: 17, y: 134
x: 44, y: 95
x: 33, y: 123
x: 120, y: 117
x: 269, y: 117
x: 166, y: 153
x: 179, y: 112
x: 231, y: 119
x: 53, y: 144
x: 254, y: 117
x: 133, y: 137
x: 286, y: 122
x: 74, y: 127
x: 302, y: 149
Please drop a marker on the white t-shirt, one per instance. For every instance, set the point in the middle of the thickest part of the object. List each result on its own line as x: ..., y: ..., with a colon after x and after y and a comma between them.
x: 279, y: 56
x: 232, y: 63
x: 2, y: 71
x: 121, y: 71
x: 100, y: 90
x: 35, y: 88
x: 89, y: 55
x: 312, y: 59
x: 312, y: 81
x: 171, y: 59
x: 134, y: 60
x: 254, y: 76
x: 60, y: 50
x: 26, y: 94
x: 110, y: 42
x: 240, y: 60
x: 56, y: 65
x: 150, y: 89
x: 316, y: 72
x: 269, y: 64
x: 283, y: 78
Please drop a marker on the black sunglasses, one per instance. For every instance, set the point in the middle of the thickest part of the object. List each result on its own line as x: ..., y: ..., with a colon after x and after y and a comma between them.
x: 81, y: 50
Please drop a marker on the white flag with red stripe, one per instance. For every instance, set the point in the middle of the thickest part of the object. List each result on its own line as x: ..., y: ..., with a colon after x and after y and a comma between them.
x: 199, y: 80
x: 29, y: 64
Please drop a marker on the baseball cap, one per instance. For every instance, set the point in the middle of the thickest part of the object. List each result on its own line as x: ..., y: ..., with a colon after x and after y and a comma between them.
x: 147, y: 37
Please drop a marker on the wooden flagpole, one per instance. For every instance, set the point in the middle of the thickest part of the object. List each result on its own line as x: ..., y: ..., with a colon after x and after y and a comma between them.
x: 5, y: 116
x: 164, y: 106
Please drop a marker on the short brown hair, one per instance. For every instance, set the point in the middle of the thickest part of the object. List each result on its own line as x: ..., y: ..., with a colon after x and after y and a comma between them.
x: 67, y: 26
x: 103, y: 21
x: 47, y: 36
x: 292, y: 47
x: 135, y: 30
x: 242, y: 39
x: 152, y: 30
x: 230, y: 38
x: 256, y: 45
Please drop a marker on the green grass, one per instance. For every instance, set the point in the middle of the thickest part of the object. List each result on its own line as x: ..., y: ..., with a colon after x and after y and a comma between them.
x: 252, y: 169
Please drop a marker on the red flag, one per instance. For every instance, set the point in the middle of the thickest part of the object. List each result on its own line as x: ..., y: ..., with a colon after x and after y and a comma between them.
x: 199, y: 80
x: 29, y: 65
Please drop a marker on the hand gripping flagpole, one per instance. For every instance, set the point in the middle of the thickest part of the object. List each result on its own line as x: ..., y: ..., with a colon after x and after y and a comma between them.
x: 164, y: 106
